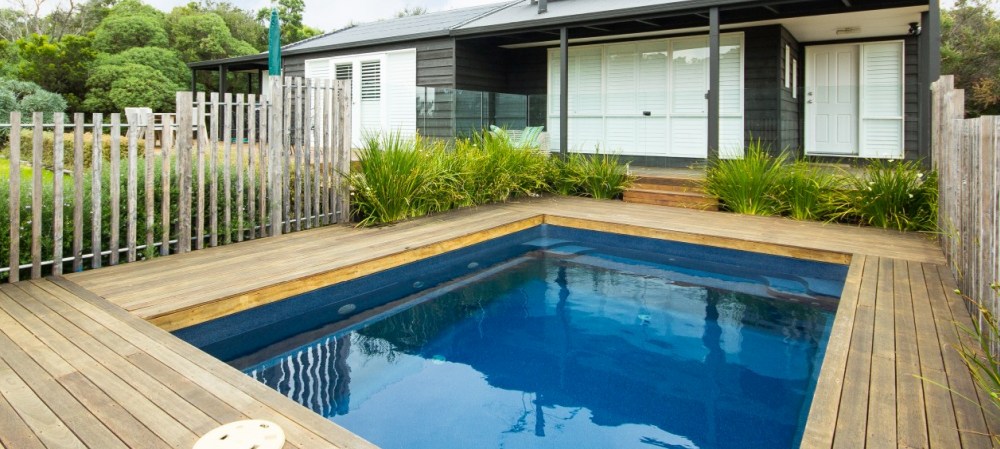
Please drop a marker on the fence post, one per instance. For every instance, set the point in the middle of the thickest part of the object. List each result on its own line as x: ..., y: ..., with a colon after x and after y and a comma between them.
x: 274, y: 175
x: 96, y: 209
x: 57, y: 193
x: 184, y: 125
x: 36, y: 194
x: 15, y: 197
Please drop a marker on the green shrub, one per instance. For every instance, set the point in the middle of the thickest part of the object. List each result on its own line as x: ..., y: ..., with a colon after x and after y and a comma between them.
x: 492, y: 169
x: 600, y: 176
x: 805, y: 191
x: 893, y: 195
x: 393, y: 181
x: 48, y: 145
x: 750, y: 185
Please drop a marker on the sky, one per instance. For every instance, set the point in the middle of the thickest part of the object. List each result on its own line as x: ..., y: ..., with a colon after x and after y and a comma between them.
x: 328, y: 15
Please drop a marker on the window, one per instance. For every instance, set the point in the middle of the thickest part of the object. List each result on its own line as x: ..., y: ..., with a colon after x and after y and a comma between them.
x: 345, y: 71
x: 795, y: 78
x: 371, y: 80
x: 788, y: 66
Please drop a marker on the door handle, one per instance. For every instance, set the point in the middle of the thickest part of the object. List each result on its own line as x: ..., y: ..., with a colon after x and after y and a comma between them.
x: 647, y: 113
x: 809, y: 101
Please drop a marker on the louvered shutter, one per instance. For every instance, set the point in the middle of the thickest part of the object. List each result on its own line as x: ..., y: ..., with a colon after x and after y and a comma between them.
x: 688, y: 106
x: 730, y: 97
x: 371, y: 97
x: 882, y: 100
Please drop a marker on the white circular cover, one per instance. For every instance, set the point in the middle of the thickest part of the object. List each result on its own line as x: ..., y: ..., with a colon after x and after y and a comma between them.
x: 251, y: 433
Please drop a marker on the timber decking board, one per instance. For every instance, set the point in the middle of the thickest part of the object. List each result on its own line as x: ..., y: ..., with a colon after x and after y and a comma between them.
x: 80, y: 372
x: 80, y: 367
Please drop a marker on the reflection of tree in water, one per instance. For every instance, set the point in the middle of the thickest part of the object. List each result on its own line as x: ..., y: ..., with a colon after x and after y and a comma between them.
x: 316, y: 376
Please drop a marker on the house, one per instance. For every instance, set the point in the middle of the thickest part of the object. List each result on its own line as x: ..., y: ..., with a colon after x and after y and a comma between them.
x: 666, y: 82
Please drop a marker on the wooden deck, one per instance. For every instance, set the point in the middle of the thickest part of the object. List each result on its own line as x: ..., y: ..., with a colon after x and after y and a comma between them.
x: 80, y: 367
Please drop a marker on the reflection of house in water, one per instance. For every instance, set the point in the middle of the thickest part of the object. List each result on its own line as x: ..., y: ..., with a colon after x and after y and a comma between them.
x: 316, y: 376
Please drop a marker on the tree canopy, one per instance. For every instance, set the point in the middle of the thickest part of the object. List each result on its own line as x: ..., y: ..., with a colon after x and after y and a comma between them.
x: 970, y: 50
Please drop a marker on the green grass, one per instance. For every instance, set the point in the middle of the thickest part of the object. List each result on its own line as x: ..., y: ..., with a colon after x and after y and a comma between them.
x: 26, y: 173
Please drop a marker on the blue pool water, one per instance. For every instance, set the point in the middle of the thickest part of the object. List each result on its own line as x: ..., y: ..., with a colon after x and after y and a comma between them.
x: 552, y: 338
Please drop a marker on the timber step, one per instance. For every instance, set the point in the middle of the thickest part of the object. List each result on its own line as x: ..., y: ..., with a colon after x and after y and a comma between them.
x: 683, y: 192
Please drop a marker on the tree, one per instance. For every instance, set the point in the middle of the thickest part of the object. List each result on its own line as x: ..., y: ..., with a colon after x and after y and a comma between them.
x: 60, y: 67
x: 163, y: 60
x: 27, y: 97
x: 199, y: 36
x: 970, y: 50
x: 116, y: 87
x: 242, y: 23
x: 290, y: 14
x: 120, y: 32
x: 78, y: 18
x: 411, y: 11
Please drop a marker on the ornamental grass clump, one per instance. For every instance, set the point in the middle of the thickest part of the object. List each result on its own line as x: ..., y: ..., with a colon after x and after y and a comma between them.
x: 806, y: 190
x: 750, y: 185
x: 492, y: 168
x: 601, y: 176
x: 892, y: 195
x: 393, y: 180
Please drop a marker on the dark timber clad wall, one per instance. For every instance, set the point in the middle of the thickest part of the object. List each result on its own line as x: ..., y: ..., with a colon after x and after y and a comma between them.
x: 791, y: 122
x: 435, y: 60
x: 762, y: 71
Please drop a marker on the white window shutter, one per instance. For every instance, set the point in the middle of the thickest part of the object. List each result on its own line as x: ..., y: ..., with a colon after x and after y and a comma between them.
x: 731, y: 97
x: 882, y: 100
x: 371, y: 97
x: 317, y: 68
x: 400, y: 88
x: 688, y: 106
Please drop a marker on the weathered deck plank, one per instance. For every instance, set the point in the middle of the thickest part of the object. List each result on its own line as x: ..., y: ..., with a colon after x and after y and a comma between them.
x: 79, y: 367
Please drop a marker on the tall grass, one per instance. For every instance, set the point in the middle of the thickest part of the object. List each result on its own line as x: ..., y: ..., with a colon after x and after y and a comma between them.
x: 750, y: 185
x: 601, y: 176
x: 805, y: 191
x: 393, y: 179
x: 399, y: 178
x: 892, y: 195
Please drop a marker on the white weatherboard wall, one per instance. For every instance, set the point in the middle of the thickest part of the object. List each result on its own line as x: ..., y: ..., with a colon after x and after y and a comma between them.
x: 648, y: 97
x: 383, y: 89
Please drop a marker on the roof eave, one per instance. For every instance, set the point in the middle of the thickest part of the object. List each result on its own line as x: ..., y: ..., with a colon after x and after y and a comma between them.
x: 369, y: 42
x: 602, y: 15
x: 227, y: 61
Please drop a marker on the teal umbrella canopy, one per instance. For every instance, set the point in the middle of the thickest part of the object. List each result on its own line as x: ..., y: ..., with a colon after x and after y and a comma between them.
x: 274, y: 45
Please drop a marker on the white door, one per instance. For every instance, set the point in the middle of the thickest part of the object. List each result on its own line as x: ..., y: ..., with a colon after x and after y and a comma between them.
x: 832, y: 99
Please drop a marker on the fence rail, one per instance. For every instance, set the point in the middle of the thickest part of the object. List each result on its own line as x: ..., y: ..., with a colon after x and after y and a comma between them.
x: 224, y: 168
x: 965, y: 155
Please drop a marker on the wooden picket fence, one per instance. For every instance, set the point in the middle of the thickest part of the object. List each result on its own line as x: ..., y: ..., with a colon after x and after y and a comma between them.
x: 965, y: 155
x: 222, y: 169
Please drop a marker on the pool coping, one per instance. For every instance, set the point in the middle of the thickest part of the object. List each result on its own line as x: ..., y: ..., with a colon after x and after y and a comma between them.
x: 223, y: 306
